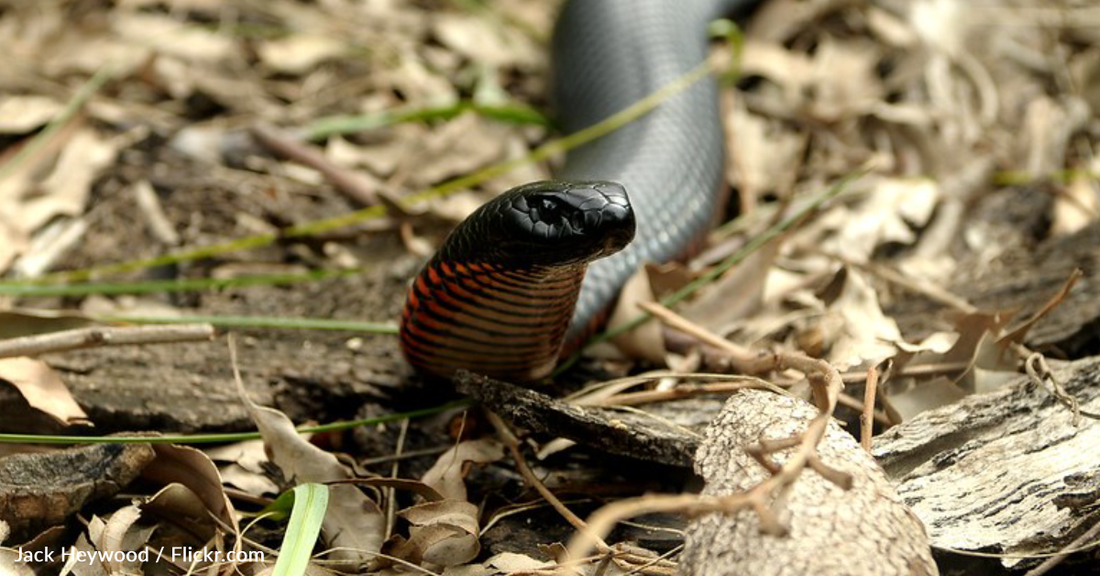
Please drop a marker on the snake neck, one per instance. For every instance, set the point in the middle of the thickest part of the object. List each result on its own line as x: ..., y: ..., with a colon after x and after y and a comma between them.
x: 502, y: 321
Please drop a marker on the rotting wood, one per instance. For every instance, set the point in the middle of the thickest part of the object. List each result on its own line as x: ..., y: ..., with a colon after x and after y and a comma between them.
x: 630, y: 434
x: 863, y: 530
x: 1023, y: 280
x: 42, y: 490
x: 1004, y: 471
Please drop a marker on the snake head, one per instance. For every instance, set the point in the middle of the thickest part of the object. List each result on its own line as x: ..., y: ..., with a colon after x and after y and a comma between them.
x: 550, y: 223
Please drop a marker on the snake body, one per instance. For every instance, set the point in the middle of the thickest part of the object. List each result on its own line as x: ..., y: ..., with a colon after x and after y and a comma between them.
x: 508, y: 287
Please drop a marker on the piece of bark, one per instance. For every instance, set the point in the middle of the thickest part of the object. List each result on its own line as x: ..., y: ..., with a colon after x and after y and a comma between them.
x: 623, y: 433
x: 865, y: 530
x: 41, y: 490
x: 1024, y: 279
x: 1004, y: 471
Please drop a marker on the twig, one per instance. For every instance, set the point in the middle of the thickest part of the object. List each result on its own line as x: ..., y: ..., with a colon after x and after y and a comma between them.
x: 1082, y: 542
x: 682, y: 391
x: 390, y: 492
x: 346, y: 181
x: 741, y: 359
x: 826, y: 384
x: 851, y: 402
x: 1039, y: 372
x: 912, y: 371
x: 509, y: 439
x: 103, y: 336
x: 1017, y: 334
x: 866, y: 425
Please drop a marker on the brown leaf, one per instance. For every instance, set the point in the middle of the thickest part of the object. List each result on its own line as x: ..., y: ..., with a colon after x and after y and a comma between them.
x: 352, y: 520
x: 245, y: 469
x: 194, y: 470
x: 739, y: 293
x: 40, y: 191
x: 889, y: 214
x: 482, y: 42
x: 443, y: 533
x: 43, y: 389
x: 447, y: 475
x: 645, y: 341
x: 299, y: 53
x: 22, y: 114
x: 856, y: 329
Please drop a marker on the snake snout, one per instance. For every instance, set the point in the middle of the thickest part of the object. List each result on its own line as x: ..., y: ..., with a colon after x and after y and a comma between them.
x: 563, y: 223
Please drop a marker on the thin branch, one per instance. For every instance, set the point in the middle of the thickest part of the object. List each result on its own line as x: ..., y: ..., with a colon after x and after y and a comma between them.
x: 287, y: 146
x: 866, y: 423
x: 510, y: 440
x: 826, y: 383
x: 97, y: 336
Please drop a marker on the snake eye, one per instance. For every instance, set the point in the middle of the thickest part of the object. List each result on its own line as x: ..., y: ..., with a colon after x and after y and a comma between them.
x: 545, y: 210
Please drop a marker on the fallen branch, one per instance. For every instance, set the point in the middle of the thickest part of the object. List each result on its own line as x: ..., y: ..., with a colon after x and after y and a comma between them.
x: 97, y: 336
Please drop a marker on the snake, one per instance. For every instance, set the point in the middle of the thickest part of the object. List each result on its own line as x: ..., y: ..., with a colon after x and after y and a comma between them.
x: 535, y: 270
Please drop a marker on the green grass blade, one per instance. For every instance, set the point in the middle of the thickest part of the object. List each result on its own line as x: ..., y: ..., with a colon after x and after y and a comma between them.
x: 310, y: 503
x: 228, y: 436
x: 165, y: 286
x: 260, y: 322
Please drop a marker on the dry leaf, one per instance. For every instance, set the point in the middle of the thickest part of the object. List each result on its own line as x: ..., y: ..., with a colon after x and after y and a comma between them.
x: 890, y: 212
x: 484, y: 43
x: 1077, y: 206
x: 194, y: 470
x: 43, y: 389
x: 926, y: 396
x: 186, y: 510
x: 352, y: 521
x: 118, y: 535
x: 9, y: 557
x: 246, y: 466
x: 646, y: 342
x: 64, y: 191
x: 509, y: 562
x: 844, y: 80
x: 13, y: 241
x: 739, y: 293
x: 447, y: 475
x: 170, y: 36
x: 299, y: 53
x: 764, y: 154
x: 22, y: 114
x: 443, y: 533
x: 856, y: 329
x: 84, y: 548
x: 458, y: 147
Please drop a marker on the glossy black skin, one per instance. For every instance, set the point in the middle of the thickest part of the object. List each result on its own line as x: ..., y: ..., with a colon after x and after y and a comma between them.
x: 607, y: 55
x: 547, y: 223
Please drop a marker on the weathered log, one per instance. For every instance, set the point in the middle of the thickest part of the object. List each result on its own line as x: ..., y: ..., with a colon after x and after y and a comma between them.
x: 865, y: 530
x: 623, y: 433
x: 1006, y: 471
x: 41, y: 490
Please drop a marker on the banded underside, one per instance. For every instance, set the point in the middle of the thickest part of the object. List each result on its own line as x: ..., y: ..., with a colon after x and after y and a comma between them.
x: 508, y: 323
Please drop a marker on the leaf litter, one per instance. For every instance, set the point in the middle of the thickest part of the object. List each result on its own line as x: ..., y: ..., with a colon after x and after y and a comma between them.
x: 950, y: 101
